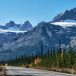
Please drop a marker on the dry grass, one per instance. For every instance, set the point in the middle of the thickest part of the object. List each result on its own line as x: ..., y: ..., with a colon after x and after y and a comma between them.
x: 56, y: 69
x: 2, y: 71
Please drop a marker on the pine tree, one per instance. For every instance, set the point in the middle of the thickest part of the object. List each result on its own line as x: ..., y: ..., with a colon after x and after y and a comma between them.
x: 42, y: 51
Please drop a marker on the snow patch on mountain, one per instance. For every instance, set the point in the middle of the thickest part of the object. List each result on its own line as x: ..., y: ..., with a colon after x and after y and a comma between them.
x: 13, y: 28
x: 15, y: 31
x: 65, y: 23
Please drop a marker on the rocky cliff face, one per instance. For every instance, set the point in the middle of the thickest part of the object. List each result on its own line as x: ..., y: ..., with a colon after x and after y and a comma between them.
x: 68, y: 14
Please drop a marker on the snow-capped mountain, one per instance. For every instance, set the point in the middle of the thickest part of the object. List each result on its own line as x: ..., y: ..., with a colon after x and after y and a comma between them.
x: 13, y: 27
x: 67, y: 18
x: 11, y: 30
x: 68, y: 14
x: 44, y: 33
x: 47, y: 34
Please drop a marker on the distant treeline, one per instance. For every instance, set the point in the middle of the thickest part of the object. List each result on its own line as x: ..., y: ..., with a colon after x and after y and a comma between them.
x: 53, y: 58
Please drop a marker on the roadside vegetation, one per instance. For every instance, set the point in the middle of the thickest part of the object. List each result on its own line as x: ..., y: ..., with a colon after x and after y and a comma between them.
x: 56, y: 60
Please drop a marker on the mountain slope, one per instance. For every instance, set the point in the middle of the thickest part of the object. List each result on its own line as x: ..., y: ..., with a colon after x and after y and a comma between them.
x: 44, y: 33
x: 68, y: 14
x: 12, y: 30
x: 51, y: 35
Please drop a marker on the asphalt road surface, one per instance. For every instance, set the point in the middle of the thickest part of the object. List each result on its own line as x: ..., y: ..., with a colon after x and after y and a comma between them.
x: 19, y: 71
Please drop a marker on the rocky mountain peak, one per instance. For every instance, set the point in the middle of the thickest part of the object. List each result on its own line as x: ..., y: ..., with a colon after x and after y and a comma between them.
x: 26, y: 26
x: 10, y: 24
x: 68, y: 14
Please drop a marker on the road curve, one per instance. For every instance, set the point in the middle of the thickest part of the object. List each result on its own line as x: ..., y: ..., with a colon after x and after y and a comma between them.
x: 15, y: 71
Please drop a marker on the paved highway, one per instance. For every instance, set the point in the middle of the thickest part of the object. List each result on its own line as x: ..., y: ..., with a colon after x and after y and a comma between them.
x: 15, y: 71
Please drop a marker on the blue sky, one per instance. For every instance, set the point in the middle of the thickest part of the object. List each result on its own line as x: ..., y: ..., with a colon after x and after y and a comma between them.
x: 33, y: 10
